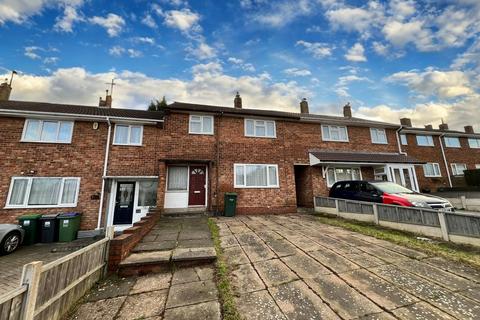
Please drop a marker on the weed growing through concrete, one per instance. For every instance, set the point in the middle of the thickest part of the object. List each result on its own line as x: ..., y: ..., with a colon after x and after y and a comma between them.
x: 227, y: 300
x: 458, y: 252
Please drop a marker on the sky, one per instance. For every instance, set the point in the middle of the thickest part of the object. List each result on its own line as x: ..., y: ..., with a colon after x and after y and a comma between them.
x: 390, y: 59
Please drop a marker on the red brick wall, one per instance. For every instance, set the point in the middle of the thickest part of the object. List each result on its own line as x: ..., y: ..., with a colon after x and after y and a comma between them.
x: 82, y: 158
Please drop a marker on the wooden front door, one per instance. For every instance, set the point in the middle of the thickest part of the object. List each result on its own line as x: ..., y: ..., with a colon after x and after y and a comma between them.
x: 197, y: 185
x: 125, y: 196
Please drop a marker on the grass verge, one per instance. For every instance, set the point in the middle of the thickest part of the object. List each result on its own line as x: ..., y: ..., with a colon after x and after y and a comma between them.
x: 229, y: 309
x: 457, y: 252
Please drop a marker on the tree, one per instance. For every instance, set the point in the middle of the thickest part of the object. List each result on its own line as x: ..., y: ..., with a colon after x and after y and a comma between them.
x: 157, y: 105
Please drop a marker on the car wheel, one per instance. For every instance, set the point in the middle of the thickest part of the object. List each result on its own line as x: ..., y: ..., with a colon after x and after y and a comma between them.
x: 10, y: 243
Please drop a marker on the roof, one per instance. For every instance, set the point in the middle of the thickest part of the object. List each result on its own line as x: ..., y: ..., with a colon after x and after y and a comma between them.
x: 306, y: 117
x: 362, y: 157
x: 79, y: 110
x: 447, y: 132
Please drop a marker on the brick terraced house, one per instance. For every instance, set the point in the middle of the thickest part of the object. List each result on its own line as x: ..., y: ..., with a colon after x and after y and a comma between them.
x: 114, y: 165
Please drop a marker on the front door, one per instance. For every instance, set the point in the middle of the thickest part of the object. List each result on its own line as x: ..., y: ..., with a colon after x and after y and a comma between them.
x: 197, y: 185
x: 124, y: 203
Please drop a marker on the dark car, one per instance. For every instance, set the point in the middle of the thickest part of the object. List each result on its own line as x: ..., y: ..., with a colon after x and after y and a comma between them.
x: 387, y: 193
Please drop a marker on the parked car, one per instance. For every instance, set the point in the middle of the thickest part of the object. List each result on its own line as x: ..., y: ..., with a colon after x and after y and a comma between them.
x: 388, y: 193
x: 11, y: 236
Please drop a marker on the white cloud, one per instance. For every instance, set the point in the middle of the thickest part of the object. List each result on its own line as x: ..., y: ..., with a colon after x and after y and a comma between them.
x: 402, y: 9
x: 185, y: 20
x: 202, y: 51
x: 402, y: 33
x: 112, y: 23
x: 133, y: 53
x: 279, y: 13
x: 241, y: 64
x: 70, y: 17
x: 208, y: 84
x: 31, y: 52
x: 146, y: 40
x: 149, y: 21
x: 51, y: 60
x: 444, y: 84
x: 118, y: 51
x: 357, y: 19
x: 316, y: 49
x: 295, y: 72
x: 356, y: 53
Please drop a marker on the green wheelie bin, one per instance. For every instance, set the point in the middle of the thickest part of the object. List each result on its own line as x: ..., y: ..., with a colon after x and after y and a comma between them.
x: 230, y: 204
x: 30, y: 223
x: 68, y: 226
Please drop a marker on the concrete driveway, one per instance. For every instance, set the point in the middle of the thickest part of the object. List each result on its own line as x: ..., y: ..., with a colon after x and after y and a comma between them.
x: 293, y: 267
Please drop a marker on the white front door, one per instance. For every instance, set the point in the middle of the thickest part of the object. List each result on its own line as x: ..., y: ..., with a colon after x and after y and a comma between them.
x: 403, y: 175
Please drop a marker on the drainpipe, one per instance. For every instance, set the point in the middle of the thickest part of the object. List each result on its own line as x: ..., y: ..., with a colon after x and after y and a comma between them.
x: 399, y: 144
x: 445, y: 160
x: 105, y: 165
x: 217, y: 160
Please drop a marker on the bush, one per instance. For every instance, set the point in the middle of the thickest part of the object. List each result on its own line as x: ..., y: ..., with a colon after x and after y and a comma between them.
x: 472, y: 177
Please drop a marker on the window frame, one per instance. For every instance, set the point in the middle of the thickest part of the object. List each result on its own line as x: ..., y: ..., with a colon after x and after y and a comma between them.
x: 28, y: 189
x: 454, y: 169
x: 42, y: 121
x: 329, y: 126
x: 425, y: 145
x: 129, y: 135
x: 377, y: 130
x: 244, y: 185
x: 434, y: 164
x: 329, y: 185
x: 477, y: 142
x: 445, y: 139
x: 255, y: 135
x: 403, y: 139
x: 202, y: 132
x: 186, y: 190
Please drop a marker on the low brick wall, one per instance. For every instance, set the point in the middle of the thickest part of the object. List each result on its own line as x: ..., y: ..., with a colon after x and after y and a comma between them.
x: 122, y: 245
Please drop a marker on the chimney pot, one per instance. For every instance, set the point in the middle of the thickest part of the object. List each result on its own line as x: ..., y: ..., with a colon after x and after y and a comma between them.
x: 428, y: 127
x: 469, y: 129
x: 304, y: 106
x: 237, y: 102
x: 443, y: 126
x: 347, y: 110
x: 407, y: 122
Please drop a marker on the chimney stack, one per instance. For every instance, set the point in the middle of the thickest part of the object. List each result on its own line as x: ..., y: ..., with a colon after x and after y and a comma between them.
x: 304, y: 106
x: 428, y: 127
x: 443, y: 126
x: 469, y: 129
x: 107, y: 103
x: 347, y: 110
x: 407, y: 122
x: 237, y: 102
x: 5, y: 90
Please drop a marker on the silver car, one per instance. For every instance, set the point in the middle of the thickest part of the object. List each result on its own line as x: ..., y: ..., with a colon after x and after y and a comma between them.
x: 11, y: 236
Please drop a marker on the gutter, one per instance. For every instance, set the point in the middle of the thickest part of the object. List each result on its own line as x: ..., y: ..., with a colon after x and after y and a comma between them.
x: 105, y: 166
x: 445, y: 160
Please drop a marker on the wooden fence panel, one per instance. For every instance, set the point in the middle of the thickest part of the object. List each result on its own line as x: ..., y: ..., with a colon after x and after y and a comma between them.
x: 463, y: 225
x: 11, y: 304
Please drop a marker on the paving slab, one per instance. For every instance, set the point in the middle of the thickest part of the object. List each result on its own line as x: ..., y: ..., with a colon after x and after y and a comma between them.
x: 304, y: 243
x: 421, y: 311
x: 305, y: 266
x: 269, y: 235
x: 378, y: 316
x: 259, y: 252
x: 455, y: 267
x: 155, y: 246
x: 282, y: 247
x: 194, y: 235
x: 245, y: 279
x: 333, y: 260
x: 365, y: 260
x: 239, y: 229
x: 274, y: 272
x: 195, y: 243
x: 150, y: 257
x: 228, y: 241
x: 110, y: 288
x: 384, y: 254
x: 143, y: 305
x: 191, y: 293
x: 297, y: 301
x: 258, y: 305
x: 202, y: 311
x: 99, y: 310
x: 248, y: 238
x: 235, y: 256
x: 343, y: 299
x: 472, y: 293
x: 152, y: 282
x: 205, y: 272
x: 378, y: 290
x: 186, y: 254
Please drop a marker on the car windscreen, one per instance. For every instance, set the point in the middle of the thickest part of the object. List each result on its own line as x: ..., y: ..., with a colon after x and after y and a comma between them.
x: 390, y: 187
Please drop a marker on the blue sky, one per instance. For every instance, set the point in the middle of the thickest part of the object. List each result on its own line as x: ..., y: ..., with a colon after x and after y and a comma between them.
x: 389, y: 59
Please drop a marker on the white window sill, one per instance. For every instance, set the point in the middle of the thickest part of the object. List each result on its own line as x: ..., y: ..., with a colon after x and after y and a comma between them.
x: 41, y: 206
x: 263, y: 137
x: 380, y: 143
x: 453, y: 147
x: 433, y: 176
x: 51, y: 142
x: 419, y: 145
x: 127, y: 145
x: 263, y: 187
x: 202, y: 133
x: 344, y: 141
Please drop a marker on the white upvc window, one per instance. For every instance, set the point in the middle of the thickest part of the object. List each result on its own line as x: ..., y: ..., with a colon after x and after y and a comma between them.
x: 43, y: 192
x: 477, y: 166
x: 458, y: 168
x: 431, y: 170
x: 260, y: 128
x: 199, y: 124
x: 403, y: 139
x: 425, y: 141
x: 334, y: 133
x: 128, y: 135
x: 452, y: 142
x: 474, y: 143
x: 47, y: 131
x: 342, y: 174
x: 255, y: 175
x: 379, y: 136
